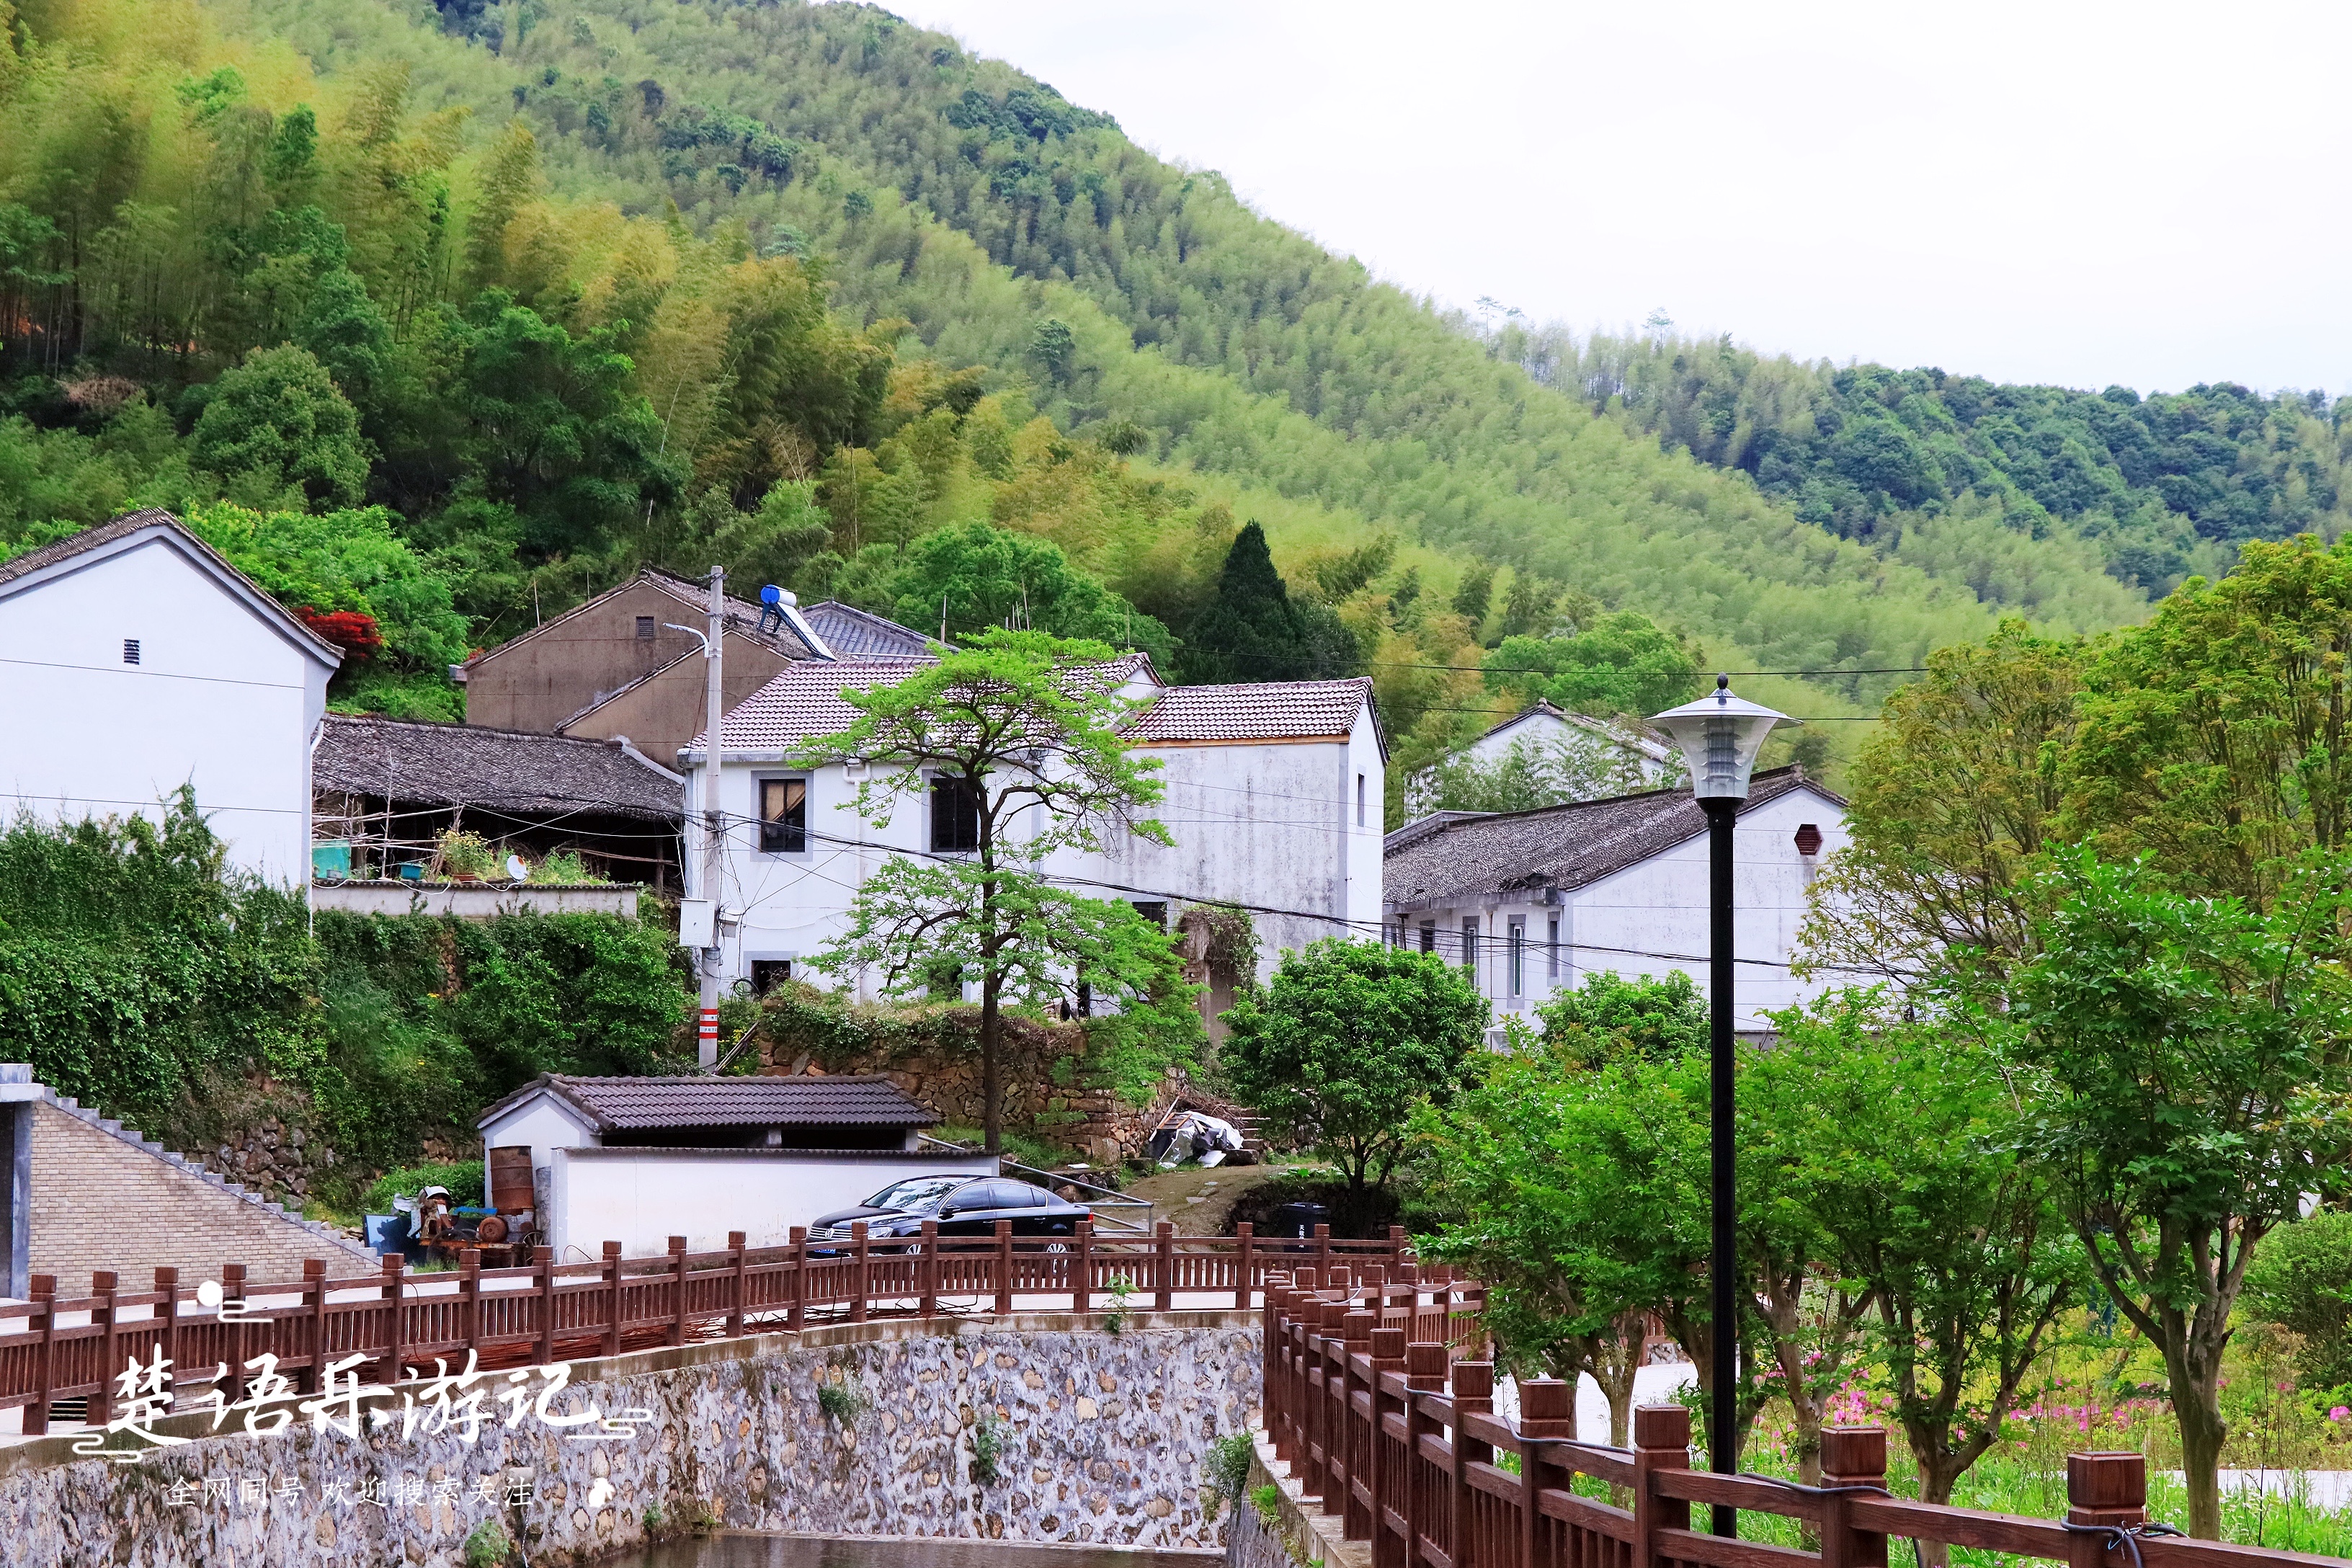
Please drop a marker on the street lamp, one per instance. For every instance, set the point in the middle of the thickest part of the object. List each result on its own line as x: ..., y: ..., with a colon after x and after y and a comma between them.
x: 1720, y: 735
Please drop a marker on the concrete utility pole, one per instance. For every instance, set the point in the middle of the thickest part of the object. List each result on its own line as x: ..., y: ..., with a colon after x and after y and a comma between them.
x: 714, y: 836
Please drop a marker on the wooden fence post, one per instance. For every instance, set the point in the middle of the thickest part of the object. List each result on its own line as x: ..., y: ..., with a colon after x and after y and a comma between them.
x: 470, y: 1291
x: 314, y: 1280
x: 1851, y: 1456
x: 395, y: 1279
x: 1474, y: 1394
x: 1005, y: 1269
x: 101, y: 1403
x: 1271, y: 1329
x: 1163, y: 1294
x: 1082, y: 1262
x: 542, y: 1263
x: 797, y: 1314
x: 1661, y: 1442
x: 1355, y: 1444
x: 861, y: 1251
x: 1424, y: 1375
x: 739, y: 1256
x: 2103, y: 1489
x: 1387, y: 1357
x: 1244, y: 1264
x: 1323, y: 1252
x: 612, y: 1298
x: 1398, y: 1249
x: 927, y: 1266
x: 233, y: 1289
x: 43, y: 1289
x: 678, y: 1289
x: 167, y: 1313
x: 1547, y: 1409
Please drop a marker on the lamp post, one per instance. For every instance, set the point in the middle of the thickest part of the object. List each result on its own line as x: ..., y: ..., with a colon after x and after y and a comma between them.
x: 1721, y: 736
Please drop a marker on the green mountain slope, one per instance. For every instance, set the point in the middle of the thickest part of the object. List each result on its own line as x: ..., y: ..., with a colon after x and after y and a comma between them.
x: 976, y: 204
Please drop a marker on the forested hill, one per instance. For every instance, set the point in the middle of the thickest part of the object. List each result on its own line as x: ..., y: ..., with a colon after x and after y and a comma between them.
x: 450, y: 316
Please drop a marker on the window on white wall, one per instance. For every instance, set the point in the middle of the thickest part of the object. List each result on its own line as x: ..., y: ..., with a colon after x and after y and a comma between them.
x: 955, y: 813
x: 1359, y: 800
x: 1551, y: 948
x: 783, y: 817
x: 1470, y: 947
x: 1429, y: 936
x: 1516, y: 947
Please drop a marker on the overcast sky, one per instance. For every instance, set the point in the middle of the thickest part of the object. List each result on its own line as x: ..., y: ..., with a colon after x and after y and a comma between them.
x: 2079, y: 193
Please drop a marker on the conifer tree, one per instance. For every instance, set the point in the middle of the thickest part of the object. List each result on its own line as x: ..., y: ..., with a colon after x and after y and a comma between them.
x: 1250, y: 630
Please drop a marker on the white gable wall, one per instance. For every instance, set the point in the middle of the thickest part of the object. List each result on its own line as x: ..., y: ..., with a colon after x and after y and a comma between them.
x: 1268, y: 824
x: 221, y: 698
x: 1630, y: 921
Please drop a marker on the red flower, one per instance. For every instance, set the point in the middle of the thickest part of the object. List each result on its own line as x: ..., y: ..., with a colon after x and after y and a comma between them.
x: 356, y: 634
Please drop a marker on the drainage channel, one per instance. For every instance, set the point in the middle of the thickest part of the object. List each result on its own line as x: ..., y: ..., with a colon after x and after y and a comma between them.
x: 749, y: 1550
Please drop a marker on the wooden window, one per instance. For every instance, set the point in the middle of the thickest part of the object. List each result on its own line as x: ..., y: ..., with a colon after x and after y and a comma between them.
x: 645, y: 628
x: 783, y: 817
x: 955, y: 814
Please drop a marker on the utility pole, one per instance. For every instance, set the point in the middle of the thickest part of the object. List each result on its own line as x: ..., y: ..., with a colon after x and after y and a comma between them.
x: 714, y: 836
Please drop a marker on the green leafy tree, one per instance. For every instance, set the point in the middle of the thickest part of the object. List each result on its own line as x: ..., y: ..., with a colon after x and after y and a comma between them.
x: 279, y: 420
x: 1953, y: 805
x: 2196, y: 1056
x: 2301, y: 1278
x: 1908, y: 1156
x: 2219, y: 736
x: 1651, y: 1016
x: 1347, y: 1041
x: 976, y: 576
x: 1621, y: 663
x: 1012, y: 722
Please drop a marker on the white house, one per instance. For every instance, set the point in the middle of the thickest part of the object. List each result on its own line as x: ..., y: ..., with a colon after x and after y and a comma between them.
x: 1272, y: 797
x: 1571, y: 746
x: 138, y: 660
x: 1531, y: 901
x: 639, y: 1160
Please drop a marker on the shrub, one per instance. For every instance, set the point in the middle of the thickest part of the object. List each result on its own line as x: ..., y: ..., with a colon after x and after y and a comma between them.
x: 987, y: 1448
x: 840, y: 1401
x: 487, y: 1546
x: 1226, y: 1468
x: 2301, y: 1278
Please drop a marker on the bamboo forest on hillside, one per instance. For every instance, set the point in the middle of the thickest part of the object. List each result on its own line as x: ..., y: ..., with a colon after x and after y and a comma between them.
x: 439, y: 320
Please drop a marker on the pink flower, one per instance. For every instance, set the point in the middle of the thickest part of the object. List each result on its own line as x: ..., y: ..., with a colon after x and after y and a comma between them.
x: 2339, y: 1413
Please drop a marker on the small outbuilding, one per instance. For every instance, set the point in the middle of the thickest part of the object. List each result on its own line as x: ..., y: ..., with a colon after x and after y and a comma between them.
x: 639, y: 1160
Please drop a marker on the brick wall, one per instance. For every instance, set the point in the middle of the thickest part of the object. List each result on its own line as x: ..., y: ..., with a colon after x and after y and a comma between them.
x: 103, y: 1197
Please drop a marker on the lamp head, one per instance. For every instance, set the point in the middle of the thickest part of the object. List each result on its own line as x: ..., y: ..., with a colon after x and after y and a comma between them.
x: 1721, y: 736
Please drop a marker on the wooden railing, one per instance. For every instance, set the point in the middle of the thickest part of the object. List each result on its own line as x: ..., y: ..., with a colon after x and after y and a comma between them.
x: 1390, y: 1428
x: 376, y: 1328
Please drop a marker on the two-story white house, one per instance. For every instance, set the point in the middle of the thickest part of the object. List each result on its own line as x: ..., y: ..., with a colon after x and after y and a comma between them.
x: 1273, y: 796
x: 1529, y: 903
x: 137, y: 660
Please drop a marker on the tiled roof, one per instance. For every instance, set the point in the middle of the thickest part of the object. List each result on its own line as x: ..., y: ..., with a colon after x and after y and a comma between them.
x: 803, y: 702
x: 134, y: 522
x: 498, y: 770
x: 692, y: 598
x: 1266, y: 711
x: 1453, y: 855
x: 644, y: 1104
x: 853, y: 633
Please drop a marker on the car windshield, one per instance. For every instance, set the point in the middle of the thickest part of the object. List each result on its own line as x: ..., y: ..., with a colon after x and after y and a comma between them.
x: 918, y: 1194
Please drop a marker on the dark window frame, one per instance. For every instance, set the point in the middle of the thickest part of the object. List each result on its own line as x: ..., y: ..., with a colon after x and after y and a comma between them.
x: 955, y: 830
x: 782, y: 835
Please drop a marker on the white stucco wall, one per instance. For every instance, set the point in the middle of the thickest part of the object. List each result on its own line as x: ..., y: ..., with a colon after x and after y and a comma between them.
x: 642, y: 1197
x: 546, y: 1124
x: 1270, y: 825
x: 221, y: 698
x: 1625, y: 922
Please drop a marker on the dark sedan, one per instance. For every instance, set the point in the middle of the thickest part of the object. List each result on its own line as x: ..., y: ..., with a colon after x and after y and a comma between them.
x: 963, y: 1206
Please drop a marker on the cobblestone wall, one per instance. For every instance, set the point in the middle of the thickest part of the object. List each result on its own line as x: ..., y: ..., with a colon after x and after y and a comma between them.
x: 1095, y: 1439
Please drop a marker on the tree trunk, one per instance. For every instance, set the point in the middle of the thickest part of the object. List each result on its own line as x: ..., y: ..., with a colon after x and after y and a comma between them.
x: 2196, y: 1404
x: 991, y: 1116
x: 1938, y: 1474
x: 1619, y: 1355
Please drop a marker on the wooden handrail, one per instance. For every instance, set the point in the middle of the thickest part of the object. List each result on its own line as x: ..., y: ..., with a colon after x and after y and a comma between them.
x: 1403, y: 1451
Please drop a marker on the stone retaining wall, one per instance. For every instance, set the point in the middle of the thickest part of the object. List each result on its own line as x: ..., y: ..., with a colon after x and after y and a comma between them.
x: 1100, y: 1440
